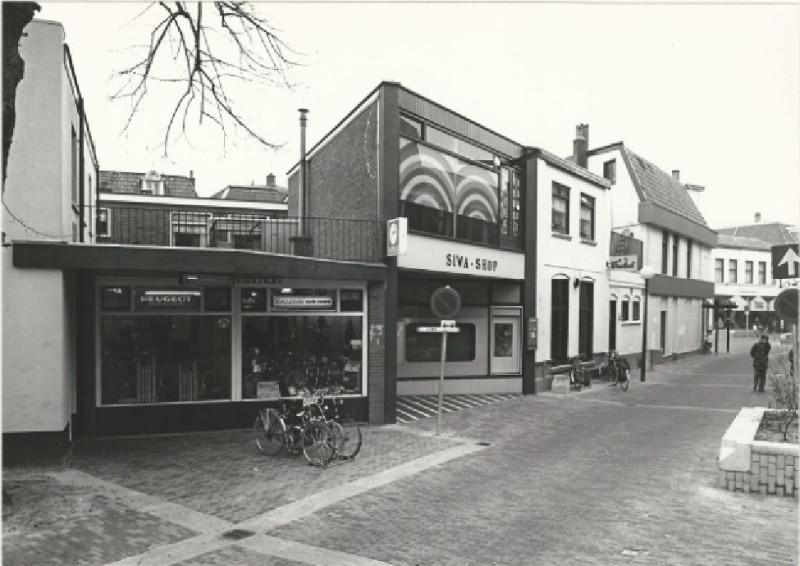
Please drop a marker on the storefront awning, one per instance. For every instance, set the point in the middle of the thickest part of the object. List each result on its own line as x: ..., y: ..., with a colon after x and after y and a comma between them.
x: 238, y: 263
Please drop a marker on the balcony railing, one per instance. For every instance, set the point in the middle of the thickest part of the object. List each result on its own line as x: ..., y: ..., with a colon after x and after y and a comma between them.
x: 625, y: 245
x: 325, y: 238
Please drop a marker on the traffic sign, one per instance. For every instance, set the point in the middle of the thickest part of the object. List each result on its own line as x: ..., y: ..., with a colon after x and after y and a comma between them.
x: 445, y: 302
x: 784, y: 261
x: 786, y: 304
x: 444, y: 326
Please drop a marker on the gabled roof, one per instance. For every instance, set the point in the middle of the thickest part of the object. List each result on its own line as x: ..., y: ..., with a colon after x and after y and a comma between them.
x: 127, y: 182
x: 739, y: 242
x: 253, y: 193
x: 774, y: 233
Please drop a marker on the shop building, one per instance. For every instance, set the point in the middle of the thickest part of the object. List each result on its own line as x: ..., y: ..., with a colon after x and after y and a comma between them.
x: 161, y: 327
x: 743, y: 273
x: 655, y: 207
x: 479, y: 209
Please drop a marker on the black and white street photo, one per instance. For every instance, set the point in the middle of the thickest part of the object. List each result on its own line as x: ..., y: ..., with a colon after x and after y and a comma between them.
x: 400, y: 283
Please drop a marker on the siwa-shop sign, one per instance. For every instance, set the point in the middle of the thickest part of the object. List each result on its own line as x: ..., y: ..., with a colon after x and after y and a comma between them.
x: 626, y: 262
x: 446, y: 256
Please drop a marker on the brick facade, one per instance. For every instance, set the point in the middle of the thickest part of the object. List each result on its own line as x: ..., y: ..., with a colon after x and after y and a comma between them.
x: 125, y: 182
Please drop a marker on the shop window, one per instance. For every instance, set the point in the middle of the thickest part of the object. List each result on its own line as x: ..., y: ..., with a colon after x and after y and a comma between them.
x: 116, y: 298
x: 427, y: 347
x: 103, y: 224
x: 254, y: 300
x: 283, y: 355
x: 164, y: 359
x: 587, y: 217
x: 560, y: 220
x: 427, y: 219
x: 352, y: 300
x: 637, y: 312
x: 217, y: 299
x: 719, y: 270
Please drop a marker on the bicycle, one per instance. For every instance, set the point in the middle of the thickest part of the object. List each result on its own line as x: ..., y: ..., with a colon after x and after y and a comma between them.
x: 578, y: 376
x: 304, y: 432
x: 619, y: 370
x: 346, y: 432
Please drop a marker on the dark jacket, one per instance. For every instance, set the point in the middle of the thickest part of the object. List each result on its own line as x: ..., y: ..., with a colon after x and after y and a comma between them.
x: 760, y: 354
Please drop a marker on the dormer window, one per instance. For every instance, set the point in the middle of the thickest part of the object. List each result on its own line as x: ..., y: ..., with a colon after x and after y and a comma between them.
x: 152, y: 184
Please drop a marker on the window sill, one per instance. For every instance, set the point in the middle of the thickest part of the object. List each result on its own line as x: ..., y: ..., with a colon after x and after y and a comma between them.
x: 588, y: 242
x: 562, y: 236
x: 631, y: 322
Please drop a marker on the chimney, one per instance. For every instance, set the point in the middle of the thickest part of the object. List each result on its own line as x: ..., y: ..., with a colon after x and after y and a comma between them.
x: 191, y: 174
x: 581, y: 144
x: 271, y: 180
x: 302, y: 192
x: 757, y: 217
x: 676, y: 174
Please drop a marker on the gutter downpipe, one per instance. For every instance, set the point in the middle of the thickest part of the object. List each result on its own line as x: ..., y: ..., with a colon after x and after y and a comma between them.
x: 302, y: 191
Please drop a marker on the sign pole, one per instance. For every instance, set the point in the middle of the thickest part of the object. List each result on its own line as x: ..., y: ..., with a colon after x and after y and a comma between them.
x: 441, y: 382
x: 795, y: 344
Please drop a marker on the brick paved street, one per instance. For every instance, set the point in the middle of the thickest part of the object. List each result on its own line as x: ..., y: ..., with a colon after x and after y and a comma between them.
x: 596, y: 477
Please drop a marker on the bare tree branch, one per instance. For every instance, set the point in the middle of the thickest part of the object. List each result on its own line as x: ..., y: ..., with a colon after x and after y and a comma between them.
x: 231, y: 43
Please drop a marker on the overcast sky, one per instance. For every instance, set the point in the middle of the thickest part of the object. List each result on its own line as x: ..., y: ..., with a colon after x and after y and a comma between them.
x: 711, y: 90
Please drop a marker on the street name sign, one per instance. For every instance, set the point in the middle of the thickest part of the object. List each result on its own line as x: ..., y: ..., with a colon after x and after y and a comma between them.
x: 785, y: 261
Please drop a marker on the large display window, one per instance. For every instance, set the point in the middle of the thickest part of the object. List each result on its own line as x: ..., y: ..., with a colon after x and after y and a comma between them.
x: 301, y: 339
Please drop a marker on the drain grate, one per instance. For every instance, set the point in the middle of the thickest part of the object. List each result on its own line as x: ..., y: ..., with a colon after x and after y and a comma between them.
x: 484, y: 443
x: 238, y: 534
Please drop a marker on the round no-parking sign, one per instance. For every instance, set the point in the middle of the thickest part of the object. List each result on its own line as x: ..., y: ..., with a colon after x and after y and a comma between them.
x: 786, y: 305
x: 445, y: 302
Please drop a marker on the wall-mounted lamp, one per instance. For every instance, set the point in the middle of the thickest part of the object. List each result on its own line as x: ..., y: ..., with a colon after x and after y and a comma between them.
x: 576, y: 283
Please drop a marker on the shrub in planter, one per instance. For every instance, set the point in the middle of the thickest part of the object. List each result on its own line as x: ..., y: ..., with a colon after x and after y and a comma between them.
x: 783, y: 385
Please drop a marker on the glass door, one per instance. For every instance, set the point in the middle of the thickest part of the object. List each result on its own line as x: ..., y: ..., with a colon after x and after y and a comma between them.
x: 505, y: 344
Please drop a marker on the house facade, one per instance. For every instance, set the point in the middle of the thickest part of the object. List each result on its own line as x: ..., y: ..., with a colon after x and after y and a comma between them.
x: 654, y: 207
x: 743, y: 272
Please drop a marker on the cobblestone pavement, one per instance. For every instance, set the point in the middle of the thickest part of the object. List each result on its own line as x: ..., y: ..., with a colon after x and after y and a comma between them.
x: 596, y: 477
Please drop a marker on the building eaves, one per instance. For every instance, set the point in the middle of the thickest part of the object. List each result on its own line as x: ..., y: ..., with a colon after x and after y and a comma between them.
x: 566, y: 165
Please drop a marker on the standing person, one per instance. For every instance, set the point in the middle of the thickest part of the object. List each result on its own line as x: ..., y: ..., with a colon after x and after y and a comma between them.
x: 760, y: 354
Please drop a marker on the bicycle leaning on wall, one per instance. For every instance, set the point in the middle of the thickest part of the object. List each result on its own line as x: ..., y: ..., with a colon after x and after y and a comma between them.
x: 619, y: 370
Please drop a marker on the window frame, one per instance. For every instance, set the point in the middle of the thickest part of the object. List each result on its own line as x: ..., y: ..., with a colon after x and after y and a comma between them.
x: 589, y: 205
x: 733, y: 271
x: 762, y: 272
x: 610, y: 170
x: 107, y: 232
x: 664, y: 252
x: 748, y: 272
x: 558, y: 192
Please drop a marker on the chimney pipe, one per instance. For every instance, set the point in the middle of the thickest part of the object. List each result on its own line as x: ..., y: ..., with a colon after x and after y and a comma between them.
x: 270, y: 180
x: 191, y: 174
x: 302, y: 192
x: 676, y: 174
x: 758, y: 217
x: 580, y: 146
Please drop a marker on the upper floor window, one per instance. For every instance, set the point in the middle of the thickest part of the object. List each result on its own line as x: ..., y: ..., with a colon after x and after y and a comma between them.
x: 688, y: 258
x: 610, y: 170
x: 719, y: 270
x: 510, y: 208
x: 637, y: 313
x: 103, y: 224
x: 152, y: 184
x: 625, y: 308
x: 587, y: 217
x: 748, y: 272
x: 560, y: 208
x: 190, y: 229
x: 675, y: 241
x: 762, y: 272
x: 665, y: 252
x: 733, y: 269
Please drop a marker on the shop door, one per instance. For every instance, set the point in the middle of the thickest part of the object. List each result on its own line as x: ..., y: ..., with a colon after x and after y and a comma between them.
x: 612, y: 325
x: 505, y: 344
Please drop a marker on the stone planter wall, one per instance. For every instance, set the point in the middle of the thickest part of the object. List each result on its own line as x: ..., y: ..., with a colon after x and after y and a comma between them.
x: 750, y: 465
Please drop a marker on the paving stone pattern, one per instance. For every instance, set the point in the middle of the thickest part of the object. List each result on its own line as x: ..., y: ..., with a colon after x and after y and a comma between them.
x: 235, y: 556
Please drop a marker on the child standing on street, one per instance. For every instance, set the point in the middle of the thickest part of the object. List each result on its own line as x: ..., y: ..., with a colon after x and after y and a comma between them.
x: 760, y: 354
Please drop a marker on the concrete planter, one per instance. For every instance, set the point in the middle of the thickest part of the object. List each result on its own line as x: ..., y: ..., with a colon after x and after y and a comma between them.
x: 750, y: 465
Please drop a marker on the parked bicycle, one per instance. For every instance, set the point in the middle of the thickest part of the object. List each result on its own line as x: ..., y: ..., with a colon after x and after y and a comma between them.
x: 578, y: 376
x: 619, y: 370
x: 295, y: 430
x: 346, y: 432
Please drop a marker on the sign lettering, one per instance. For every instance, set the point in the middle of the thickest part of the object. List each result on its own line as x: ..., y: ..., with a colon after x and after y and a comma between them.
x: 154, y: 300
x: 627, y: 262
x: 475, y: 263
x: 280, y: 302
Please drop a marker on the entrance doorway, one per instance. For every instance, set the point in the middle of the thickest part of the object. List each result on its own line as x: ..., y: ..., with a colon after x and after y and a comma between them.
x: 612, y: 324
x: 663, y: 332
x: 559, y: 319
x: 505, y: 341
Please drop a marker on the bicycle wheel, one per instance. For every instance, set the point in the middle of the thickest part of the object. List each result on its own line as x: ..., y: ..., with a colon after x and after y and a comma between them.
x: 270, y: 432
x: 319, y: 446
x: 625, y: 379
x: 347, y: 436
x: 614, y: 373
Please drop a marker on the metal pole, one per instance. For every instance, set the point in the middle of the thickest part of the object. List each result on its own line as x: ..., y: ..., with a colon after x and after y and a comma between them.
x: 794, y: 346
x: 441, y: 383
x: 716, y: 330
x: 643, y: 373
x: 728, y: 330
